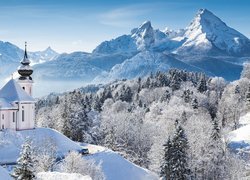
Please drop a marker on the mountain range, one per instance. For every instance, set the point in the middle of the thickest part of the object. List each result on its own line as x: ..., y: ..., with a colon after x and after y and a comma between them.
x: 207, y: 45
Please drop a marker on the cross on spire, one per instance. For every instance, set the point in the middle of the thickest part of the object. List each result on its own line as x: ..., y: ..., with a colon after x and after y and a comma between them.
x: 25, y: 52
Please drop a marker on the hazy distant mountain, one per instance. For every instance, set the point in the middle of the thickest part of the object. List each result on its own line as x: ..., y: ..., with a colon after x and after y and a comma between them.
x: 11, y: 55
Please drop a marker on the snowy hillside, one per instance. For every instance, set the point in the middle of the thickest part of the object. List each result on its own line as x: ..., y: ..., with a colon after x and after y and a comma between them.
x: 61, y: 176
x: 11, y: 142
x: 4, y: 174
x: 114, y: 166
x: 144, y: 63
x: 239, y: 140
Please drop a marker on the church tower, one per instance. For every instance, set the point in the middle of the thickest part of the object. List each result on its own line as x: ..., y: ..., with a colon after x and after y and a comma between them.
x: 25, y: 71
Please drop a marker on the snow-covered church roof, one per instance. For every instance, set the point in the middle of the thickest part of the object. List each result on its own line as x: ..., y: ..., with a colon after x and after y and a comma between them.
x: 13, y: 92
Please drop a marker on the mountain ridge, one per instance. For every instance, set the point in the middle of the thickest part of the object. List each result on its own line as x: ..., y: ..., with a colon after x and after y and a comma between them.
x: 206, y: 44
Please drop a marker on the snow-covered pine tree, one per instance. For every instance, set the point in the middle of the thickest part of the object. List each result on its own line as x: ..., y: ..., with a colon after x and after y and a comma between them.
x: 166, y: 168
x: 202, y: 84
x: 216, y: 153
x: 24, y: 170
x: 248, y: 96
x: 179, y: 159
x: 175, y: 162
x: 195, y: 103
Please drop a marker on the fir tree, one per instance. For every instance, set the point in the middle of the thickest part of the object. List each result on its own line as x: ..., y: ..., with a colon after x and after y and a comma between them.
x: 195, y: 103
x: 24, y: 169
x: 175, y: 163
x: 216, y: 153
x: 202, y: 85
x: 166, y: 168
x: 179, y: 158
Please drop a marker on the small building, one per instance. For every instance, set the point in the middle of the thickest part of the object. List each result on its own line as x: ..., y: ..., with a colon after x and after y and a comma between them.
x: 17, y: 106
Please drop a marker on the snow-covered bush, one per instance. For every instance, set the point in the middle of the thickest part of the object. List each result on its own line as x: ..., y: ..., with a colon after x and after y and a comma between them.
x: 74, y: 163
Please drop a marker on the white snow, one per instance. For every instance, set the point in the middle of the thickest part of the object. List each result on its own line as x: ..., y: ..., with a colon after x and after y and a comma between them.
x: 114, y: 166
x: 4, y: 175
x: 243, y: 133
x: 11, y: 141
x: 239, y: 140
x: 61, y: 176
x: 207, y: 30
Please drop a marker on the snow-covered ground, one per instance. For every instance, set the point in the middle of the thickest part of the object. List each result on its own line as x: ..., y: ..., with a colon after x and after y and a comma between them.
x: 114, y: 166
x: 4, y: 174
x: 61, y: 176
x: 239, y: 140
x: 11, y: 141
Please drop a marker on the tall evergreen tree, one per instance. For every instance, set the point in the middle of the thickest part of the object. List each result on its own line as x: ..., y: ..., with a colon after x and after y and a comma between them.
x: 24, y: 169
x: 166, y: 168
x: 179, y: 155
x: 202, y: 84
x: 175, y: 163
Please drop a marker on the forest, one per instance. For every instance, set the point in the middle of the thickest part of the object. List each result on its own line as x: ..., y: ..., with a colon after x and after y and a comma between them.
x: 174, y: 123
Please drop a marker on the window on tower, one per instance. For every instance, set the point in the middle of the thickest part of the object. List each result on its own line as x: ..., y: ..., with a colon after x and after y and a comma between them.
x: 23, y: 88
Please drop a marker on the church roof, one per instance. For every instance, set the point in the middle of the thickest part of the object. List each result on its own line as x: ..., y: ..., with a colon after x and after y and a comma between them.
x: 13, y: 92
x: 5, y: 105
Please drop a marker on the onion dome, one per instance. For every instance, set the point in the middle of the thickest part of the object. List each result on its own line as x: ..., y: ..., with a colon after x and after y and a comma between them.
x: 25, y: 69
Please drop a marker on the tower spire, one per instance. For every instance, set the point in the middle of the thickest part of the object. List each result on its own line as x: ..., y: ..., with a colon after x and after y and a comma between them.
x: 25, y: 52
x: 25, y: 70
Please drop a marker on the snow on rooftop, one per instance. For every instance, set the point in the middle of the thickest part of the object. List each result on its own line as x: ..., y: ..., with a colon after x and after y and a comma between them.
x: 5, y: 105
x: 12, y: 92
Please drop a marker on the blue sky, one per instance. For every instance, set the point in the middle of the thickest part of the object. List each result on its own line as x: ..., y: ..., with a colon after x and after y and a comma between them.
x: 79, y: 25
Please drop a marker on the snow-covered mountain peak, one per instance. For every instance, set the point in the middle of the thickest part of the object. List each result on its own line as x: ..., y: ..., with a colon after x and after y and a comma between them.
x: 208, y: 33
x: 144, y: 35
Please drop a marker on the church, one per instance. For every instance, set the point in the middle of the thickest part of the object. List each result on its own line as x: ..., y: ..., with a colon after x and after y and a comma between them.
x: 17, y: 106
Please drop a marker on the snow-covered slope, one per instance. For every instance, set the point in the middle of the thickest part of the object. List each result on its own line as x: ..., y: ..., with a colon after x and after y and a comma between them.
x: 11, y: 141
x: 43, y: 56
x: 116, y: 167
x: 209, y: 34
x: 4, y: 174
x: 113, y: 165
x: 143, y: 64
x: 61, y: 176
x: 239, y: 140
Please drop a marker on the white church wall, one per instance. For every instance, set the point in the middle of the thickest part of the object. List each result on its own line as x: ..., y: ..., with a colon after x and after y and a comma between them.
x: 7, y: 120
x: 26, y: 116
